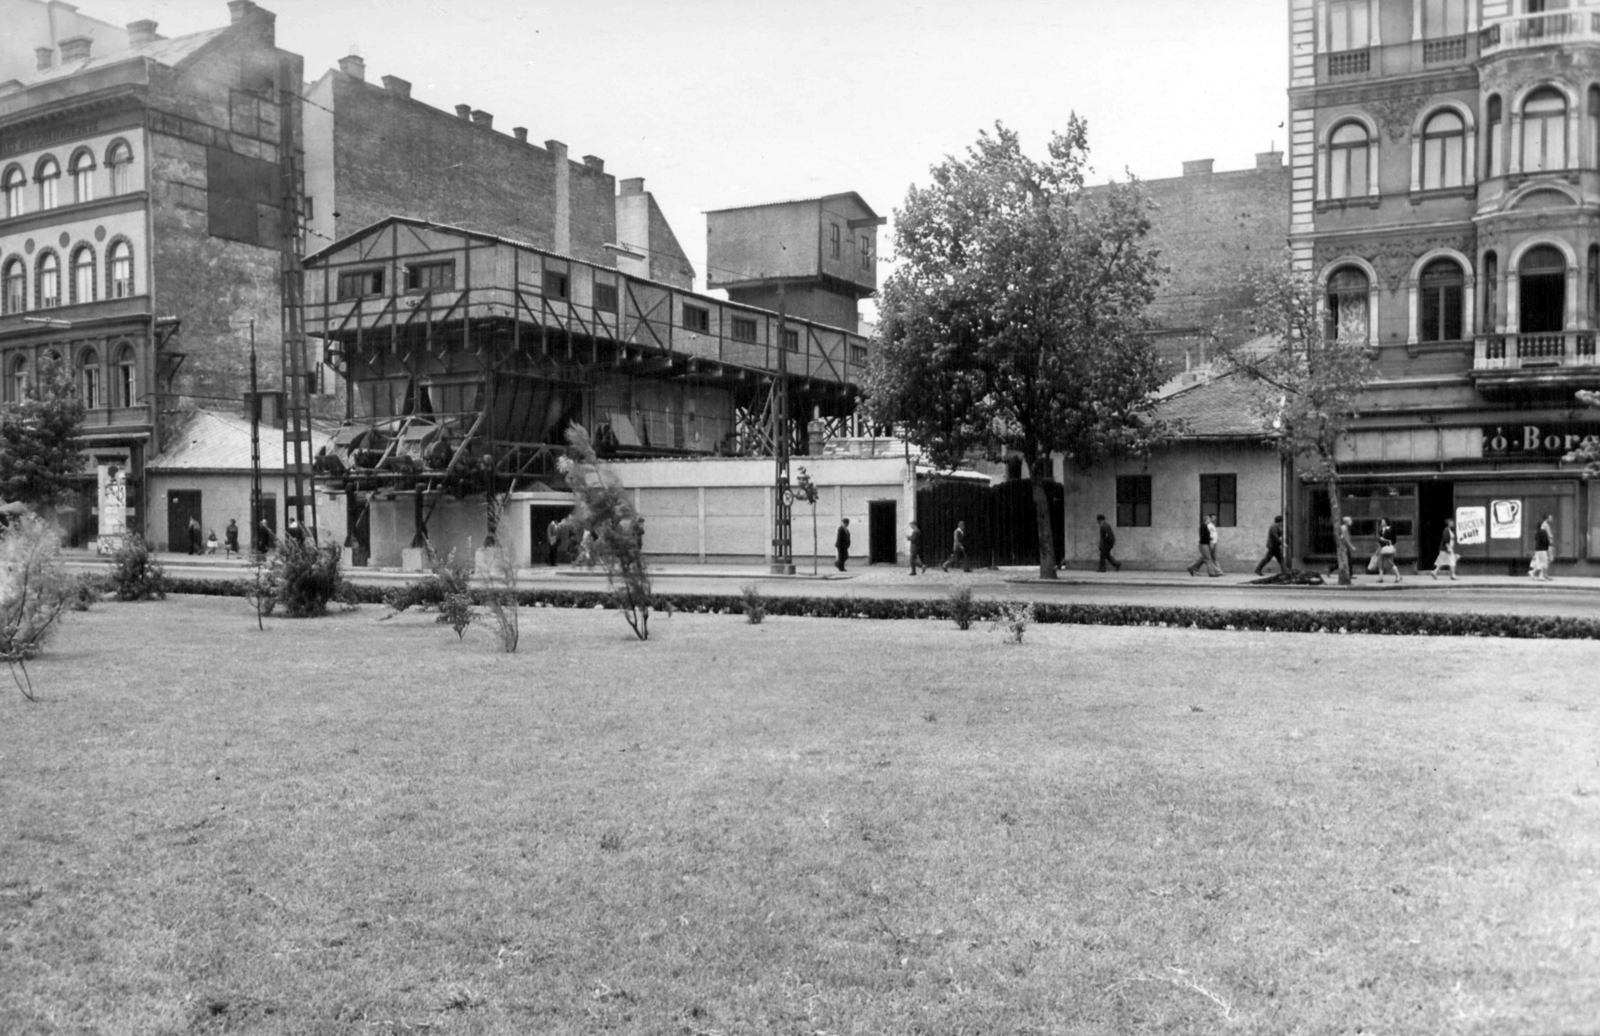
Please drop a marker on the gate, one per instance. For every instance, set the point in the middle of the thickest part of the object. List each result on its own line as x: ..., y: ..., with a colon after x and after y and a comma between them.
x: 1001, y: 526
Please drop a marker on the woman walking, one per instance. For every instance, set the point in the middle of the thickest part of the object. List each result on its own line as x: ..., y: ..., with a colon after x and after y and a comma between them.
x: 1386, y: 553
x: 1447, y: 550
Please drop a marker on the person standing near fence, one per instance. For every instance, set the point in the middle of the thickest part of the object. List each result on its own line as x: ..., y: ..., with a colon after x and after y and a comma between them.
x: 958, y: 549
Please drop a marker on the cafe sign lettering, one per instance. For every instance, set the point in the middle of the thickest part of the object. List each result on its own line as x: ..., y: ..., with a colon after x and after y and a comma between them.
x: 1551, y: 441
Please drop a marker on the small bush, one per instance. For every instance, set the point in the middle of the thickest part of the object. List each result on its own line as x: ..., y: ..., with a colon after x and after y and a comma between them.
x: 1015, y: 617
x: 755, y: 606
x: 456, y: 612
x: 430, y: 591
x: 501, y: 598
x: 963, y: 610
x: 302, y: 578
x: 88, y: 588
x: 135, y: 574
x: 34, y: 590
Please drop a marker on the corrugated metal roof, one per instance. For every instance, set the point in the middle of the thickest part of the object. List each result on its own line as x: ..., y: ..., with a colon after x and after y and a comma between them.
x: 214, y: 441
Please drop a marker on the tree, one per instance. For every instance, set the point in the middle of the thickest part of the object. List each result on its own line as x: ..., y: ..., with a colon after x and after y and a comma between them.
x: 805, y: 491
x: 1588, y: 451
x: 600, y: 505
x: 1016, y: 319
x: 1309, y: 378
x: 39, y: 438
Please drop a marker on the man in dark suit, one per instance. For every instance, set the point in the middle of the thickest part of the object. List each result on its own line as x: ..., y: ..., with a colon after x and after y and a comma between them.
x: 1108, y: 539
x: 841, y: 543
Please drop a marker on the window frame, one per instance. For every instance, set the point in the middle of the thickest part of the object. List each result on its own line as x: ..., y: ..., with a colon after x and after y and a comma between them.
x: 607, y: 298
x: 119, y: 161
x: 127, y: 368
x: 1543, y: 140
x: 119, y: 254
x: 557, y: 284
x: 837, y: 240
x: 1134, y: 494
x: 1342, y: 155
x: 17, y: 379
x: 1219, y: 495
x: 422, y: 278
x: 48, y: 175
x: 373, y: 276
x: 1437, y: 166
x: 90, y: 387
x: 1442, y: 303
x: 14, y: 186
x: 696, y: 318
x: 791, y: 340
x: 48, y: 300
x: 81, y: 168
x: 13, y: 272
x: 744, y: 329
x: 1334, y: 299
x: 1347, y: 9
x: 83, y: 275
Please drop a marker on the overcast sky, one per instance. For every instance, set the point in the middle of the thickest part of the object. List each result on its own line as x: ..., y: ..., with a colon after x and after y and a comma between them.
x: 728, y: 102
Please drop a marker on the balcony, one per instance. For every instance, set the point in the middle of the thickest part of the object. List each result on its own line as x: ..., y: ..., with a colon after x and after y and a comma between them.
x: 1539, y: 30
x: 1397, y: 59
x: 1555, y: 363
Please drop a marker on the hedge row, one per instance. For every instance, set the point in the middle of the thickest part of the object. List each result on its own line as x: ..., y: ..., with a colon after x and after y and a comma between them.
x: 1551, y: 627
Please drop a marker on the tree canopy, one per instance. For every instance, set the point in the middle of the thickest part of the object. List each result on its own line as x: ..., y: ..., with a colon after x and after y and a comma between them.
x: 1015, y: 321
x: 39, y: 438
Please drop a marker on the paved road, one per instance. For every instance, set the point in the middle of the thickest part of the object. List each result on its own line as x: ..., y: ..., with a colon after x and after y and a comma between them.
x: 1477, y: 594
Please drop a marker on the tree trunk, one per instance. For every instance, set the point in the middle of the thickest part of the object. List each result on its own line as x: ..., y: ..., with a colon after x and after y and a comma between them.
x: 1041, y: 512
x: 1336, y: 512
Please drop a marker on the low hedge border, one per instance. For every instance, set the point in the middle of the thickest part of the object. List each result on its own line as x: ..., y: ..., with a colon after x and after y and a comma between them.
x: 1389, y: 623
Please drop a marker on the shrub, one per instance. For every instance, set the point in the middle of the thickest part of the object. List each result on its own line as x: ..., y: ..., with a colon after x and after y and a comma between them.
x: 34, y: 590
x: 301, y: 577
x: 962, y: 608
x: 88, y: 588
x: 755, y: 606
x: 456, y: 612
x: 602, y: 507
x: 446, y: 579
x: 1015, y: 617
x: 501, y: 595
x: 135, y: 573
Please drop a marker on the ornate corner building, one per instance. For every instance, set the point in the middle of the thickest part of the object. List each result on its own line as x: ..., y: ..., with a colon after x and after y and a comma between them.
x: 1446, y: 195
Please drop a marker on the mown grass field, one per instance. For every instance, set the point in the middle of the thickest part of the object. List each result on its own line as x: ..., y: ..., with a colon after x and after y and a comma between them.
x: 810, y: 826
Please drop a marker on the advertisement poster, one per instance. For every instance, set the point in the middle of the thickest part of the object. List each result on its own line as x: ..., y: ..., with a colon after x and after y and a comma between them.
x: 1505, y: 519
x: 1472, y: 525
x: 113, y: 507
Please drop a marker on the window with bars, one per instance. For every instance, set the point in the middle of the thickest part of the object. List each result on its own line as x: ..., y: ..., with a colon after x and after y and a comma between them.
x: 1219, y: 495
x: 1133, y: 501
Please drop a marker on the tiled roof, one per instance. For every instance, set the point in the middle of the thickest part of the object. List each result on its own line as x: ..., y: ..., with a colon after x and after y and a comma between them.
x: 214, y: 441
x: 1224, y: 407
x: 168, y: 52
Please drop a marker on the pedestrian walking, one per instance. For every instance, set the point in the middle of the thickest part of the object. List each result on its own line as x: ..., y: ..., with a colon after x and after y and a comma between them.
x: 914, y: 538
x: 1540, y: 569
x: 1208, y: 548
x: 1349, y: 547
x: 1447, y: 550
x: 958, y: 550
x: 1108, y: 539
x: 211, y: 541
x: 297, y: 532
x: 194, y: 535
x: 230, y: 536
x: 841, y: 543
x: 1386, y: 551
x: 268, y: 537
x: 1274, y: 546
x: 552, y: 538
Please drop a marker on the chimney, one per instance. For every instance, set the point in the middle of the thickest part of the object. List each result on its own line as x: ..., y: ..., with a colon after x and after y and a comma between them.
x: 1269, y: 159
x: 46, y: 56
x: 482, y: 118
x: 237, y: 9
x: 396, y: 85
x: 1198, y: 167
x: 354, y: 66
x: 75, y: 48
x: 141, y: 32
x: 633, y: 185
x: 521, y: 133
x: 464, y: 111
x: 595, y: 163
x: 561, y: 238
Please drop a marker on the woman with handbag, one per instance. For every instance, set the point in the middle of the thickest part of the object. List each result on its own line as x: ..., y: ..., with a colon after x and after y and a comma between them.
x: 1386, y: 559
x: 1447, y: 549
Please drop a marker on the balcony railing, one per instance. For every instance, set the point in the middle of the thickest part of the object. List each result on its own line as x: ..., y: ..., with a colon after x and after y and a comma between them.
x: 1396, y: 59
x: 1349, y: 63
x: 1445, y: 51
x: 1539, y: 30
x: 1535, y: 350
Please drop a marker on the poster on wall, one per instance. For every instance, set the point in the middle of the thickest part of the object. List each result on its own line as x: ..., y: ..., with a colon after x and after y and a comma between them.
x: 1505, y: 519
x: 113, y: 508
x: 1472, y: 525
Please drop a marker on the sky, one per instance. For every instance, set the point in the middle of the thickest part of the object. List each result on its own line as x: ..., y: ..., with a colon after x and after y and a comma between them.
x: 718, y: 103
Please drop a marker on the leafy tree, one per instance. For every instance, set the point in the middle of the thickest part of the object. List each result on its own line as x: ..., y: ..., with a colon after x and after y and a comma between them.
x: 39, y: 438
x: 1016, y: 319
x: 601, y: 505
x: 1309, y: 379
x: 1588, y: 451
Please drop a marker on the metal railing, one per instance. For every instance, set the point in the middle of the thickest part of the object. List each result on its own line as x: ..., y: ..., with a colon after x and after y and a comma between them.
x: 1540, y: 30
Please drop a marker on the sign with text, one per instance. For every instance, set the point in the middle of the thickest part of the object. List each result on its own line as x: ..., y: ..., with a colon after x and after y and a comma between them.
x: 1551, y: 440
x: 113, y: 506
x: 1505, y: 519
x: 1472, y: 525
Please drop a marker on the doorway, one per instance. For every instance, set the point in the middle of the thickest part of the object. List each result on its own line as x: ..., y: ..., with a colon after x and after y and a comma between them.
x: 539, y: 518
x: 182, y: 505
x: 1436, y: 501
x: 1542, y: 291
x: 881, y: 529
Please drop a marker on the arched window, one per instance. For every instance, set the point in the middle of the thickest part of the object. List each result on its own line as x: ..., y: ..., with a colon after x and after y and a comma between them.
x: 1442, y: 290
x: 119, y: 265
x: 1347, y: 161
x: 83, y: 275
x: 15, y: 281
x: 127, y: 386
x: 16, y: 190
x: 1491, y: 292
x: 1492, y: 148
x: 1347, y: 306
x: 17, y: 379
x: 89, y: 379
x: 49, y: 175
x: 1444, y: 145
x: 1544, y: 131
x: 83, y: 176
x: 49, y: 293
x: 1541, y: 290
x: 119, y: 159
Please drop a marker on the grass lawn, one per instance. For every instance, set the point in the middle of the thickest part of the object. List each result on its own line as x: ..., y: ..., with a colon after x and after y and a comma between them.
x: 811, y: 826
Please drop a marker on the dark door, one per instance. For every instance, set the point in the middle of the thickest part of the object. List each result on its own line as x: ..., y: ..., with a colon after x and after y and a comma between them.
x: 269, y: 514
x: 182, y: 505
x: 539, y: 518
x: 1436, y: 501
x: 881, y: 529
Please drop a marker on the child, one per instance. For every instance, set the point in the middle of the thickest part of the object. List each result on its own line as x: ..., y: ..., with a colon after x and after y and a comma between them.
x: 211, y: 541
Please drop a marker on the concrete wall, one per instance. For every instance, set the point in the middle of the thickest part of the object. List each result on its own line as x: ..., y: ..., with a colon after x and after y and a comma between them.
x: 1171, y: 539
x: 227, y: 495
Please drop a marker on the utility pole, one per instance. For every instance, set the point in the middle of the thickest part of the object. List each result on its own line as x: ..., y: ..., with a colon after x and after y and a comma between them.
x: 782, y: 496
x: 256, y: 544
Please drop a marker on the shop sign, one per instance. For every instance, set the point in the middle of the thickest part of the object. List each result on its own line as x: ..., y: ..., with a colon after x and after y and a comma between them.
x: 1553, y: 440
x: 1472, y: 525
x: 1505, y: 519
